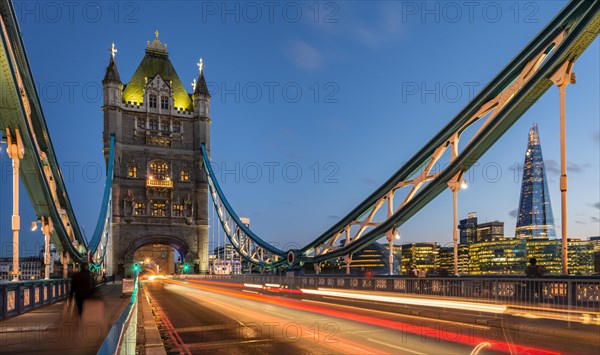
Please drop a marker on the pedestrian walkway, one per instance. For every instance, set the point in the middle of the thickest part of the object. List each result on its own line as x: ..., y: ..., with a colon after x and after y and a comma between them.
x: 57, y: 328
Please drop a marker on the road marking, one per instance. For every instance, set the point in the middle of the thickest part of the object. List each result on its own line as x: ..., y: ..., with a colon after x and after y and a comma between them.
x: 173, y: 334
x: 394, y: 346
x: 227, y: 343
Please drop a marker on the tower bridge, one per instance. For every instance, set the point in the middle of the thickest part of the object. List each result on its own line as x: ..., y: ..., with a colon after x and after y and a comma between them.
x: 159, y: 180
x: 157, y: 148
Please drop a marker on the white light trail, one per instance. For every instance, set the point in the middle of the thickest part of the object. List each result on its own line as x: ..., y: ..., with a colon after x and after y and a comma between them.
x: 439, y: 303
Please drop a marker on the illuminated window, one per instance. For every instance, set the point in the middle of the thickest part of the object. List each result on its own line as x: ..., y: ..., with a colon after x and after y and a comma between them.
x: 178, y: 210
x: 140, y: 209
x: 153, y: 125
x: 164, y: 102
x: 159, y: 210
x: 152, y: 101
x: 184, y: 175
x: 132, y: 171
x: 159, y: 169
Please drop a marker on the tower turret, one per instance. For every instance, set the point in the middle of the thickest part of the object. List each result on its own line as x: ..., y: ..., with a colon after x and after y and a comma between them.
x: 111, y: 84
x: 201, y: 95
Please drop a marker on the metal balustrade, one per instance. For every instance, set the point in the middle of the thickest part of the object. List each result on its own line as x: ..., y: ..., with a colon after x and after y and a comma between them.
x: 557, y: 293
x: 121, y: 338
x: 23, y: 296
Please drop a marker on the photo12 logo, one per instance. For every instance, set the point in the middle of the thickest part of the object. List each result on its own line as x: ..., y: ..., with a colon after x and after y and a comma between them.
x: 274, y: 91
x: 272, y: 172
x: 270, y: 11
x: 77, y: 11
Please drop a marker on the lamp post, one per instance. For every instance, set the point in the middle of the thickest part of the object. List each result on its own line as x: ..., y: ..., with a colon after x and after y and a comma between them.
x: 455, y: 185
x: 46, y: 230
x: 563, y: 77
x: 15, y: 152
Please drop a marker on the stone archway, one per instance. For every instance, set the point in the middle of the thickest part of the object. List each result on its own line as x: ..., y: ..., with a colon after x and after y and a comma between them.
x: 156, y: 253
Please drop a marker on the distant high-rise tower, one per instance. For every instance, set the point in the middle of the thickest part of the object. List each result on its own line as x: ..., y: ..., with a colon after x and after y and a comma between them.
x: 535, y: 220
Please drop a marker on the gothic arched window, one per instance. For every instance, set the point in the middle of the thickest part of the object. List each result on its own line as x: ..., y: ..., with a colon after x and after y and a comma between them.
x: 132, y: 171
x: 152, y: 101
x: 159, y: 169
x: 184, y: 175
x: 164, y: 102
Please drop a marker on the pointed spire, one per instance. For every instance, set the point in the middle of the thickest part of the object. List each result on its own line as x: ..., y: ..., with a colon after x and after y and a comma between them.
x: 111, y: 71
x: 156, y: 47
x: 200, y: 86
x: 534, y: 135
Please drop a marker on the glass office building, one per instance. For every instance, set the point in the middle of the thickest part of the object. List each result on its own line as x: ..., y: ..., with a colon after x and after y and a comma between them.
x: 497, y: 256
x: 535, y: 219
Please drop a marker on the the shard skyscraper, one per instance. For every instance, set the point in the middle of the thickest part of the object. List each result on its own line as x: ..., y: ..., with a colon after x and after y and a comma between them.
x: 535, y: 219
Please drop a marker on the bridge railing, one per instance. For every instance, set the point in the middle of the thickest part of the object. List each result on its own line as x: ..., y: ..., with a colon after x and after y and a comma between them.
x: 552, y: 292
x: 121, y: 338
x: 23, y: 296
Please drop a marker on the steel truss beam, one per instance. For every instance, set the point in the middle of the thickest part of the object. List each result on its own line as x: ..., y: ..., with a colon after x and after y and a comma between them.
x: 497, y: 107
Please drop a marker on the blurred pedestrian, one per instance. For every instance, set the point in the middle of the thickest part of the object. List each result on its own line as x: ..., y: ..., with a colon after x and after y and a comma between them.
x: 81, y: 286
x: 533, y: 270
x: 534, y: 287
x: 413, y: 272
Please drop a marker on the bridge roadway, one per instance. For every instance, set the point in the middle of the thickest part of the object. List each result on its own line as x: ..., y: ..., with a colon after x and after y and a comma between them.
x: 199, y: 316
x: 57, y: 329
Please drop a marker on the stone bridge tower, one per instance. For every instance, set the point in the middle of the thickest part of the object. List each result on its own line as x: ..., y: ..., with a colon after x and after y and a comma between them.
x: 160, y: 191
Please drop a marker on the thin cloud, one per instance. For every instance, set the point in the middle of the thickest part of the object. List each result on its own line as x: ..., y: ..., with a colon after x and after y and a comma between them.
x: 576, y: 168
x: 580, y: 222
x: 513, y: 213
x: 304, y: 56
x: 553, y: 167
x: 368, y: 181
x: 597, y: 137
x: 597, y: 205
x: 595, y: 219
x: 333, y: 217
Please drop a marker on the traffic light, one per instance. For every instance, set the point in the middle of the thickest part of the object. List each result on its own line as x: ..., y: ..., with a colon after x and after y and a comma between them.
x: 136, y: 268
x: 186, y: 267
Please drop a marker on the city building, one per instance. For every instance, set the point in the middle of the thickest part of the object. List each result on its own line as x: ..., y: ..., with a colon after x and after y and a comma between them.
x: 581, y: 257
x: 548, y: 254
x: 490, y: 230
x: 596, y: 242
x: 446, y: 259
x: 373, y: 258
x: 468, y: 229
x: 497, y: 256
x: 534, y: 219
x: 30, y: 267
x: 160, y: 191
x: 423, y: 255
x: 226, y: 252
x: 224, y: 267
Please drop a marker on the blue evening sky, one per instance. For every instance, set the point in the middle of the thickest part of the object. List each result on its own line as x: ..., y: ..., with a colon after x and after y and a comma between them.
x: 312, y: 105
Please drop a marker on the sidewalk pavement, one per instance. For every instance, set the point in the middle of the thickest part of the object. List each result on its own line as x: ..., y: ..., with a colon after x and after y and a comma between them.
x: 149, y: 341
x: 57, y: 328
